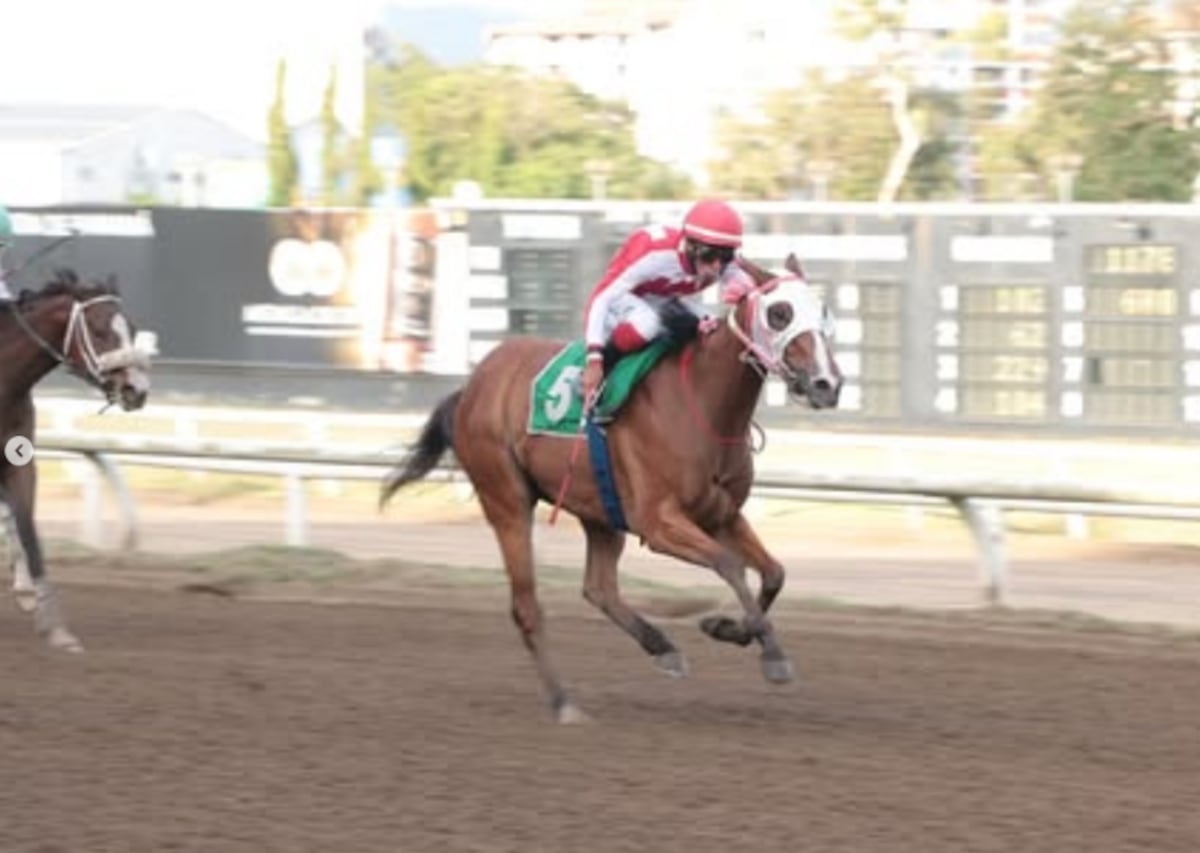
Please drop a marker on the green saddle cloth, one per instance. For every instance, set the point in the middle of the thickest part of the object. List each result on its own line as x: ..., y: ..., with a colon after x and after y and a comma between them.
x: 556, y: 395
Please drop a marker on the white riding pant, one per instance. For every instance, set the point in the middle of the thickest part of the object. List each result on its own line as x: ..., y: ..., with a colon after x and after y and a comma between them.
x: 642, y: 313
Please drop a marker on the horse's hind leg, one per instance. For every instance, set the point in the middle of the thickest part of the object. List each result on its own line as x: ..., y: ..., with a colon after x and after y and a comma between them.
x: 509, y: 509
x: 602, y: 589
x: 678, y: 535
x: 18, y: 492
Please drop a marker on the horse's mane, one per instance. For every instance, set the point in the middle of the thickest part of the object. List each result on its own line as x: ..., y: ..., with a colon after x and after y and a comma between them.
x: 763, y: 276
x: 760, y: 274
x: 66, y: 282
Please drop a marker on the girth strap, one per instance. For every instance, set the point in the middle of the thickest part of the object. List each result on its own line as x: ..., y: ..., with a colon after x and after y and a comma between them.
x: 602, y: 468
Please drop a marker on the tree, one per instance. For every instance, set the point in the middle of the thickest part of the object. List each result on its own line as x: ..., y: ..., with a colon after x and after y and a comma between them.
x: 883, y: 21
x: 834, y: 140
x: 934, y: 171
x: 1108, y: 99
x: 332, y: 157
x: 514, y: 134
x: 365, y: 178
x: 283, y: 170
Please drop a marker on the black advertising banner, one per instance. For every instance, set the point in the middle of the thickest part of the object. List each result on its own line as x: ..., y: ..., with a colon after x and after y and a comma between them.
x: 326, y: 288
x: 306, y: 287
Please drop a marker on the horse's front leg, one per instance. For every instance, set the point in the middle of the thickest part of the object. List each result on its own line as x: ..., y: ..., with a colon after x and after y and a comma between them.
x: 675, y: 534
x: 740, y: 538
x: 18, y: 491
x: 22, y: 583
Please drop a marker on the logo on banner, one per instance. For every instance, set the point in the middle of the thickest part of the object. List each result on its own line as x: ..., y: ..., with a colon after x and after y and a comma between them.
x: 300, y: 268
x: 304, y: 270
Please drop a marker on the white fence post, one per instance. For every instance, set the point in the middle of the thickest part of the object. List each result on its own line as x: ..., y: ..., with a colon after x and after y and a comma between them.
x: 986, y: 522
x: 296, y: 531
x: 91, y: 525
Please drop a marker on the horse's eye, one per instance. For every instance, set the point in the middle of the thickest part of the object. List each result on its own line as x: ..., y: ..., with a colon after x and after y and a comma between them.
x: 779, y: 316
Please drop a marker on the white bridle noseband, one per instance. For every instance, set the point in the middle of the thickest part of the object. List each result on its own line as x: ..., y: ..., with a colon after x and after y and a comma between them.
x: 97, y: 364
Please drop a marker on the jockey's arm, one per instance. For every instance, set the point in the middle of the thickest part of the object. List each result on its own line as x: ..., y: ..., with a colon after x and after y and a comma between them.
x: 597, y: 311
x: 731, y: 286
x: 735, y: 283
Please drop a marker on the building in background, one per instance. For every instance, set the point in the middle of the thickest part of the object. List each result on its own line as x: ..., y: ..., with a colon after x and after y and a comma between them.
x: 171, y: 101
x: 62, y: 154
x: 681, y: 64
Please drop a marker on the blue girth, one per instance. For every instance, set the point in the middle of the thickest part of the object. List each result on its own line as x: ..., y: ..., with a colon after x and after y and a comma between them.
x: 602, y: 467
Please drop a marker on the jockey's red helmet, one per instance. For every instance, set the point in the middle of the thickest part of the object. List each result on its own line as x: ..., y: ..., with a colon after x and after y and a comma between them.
x: 713, y: 222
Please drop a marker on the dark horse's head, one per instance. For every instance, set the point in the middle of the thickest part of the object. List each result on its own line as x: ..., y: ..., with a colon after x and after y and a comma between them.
x: 789, y: 331
x: 83, y: 326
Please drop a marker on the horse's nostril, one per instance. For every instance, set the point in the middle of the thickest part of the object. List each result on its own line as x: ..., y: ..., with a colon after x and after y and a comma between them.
x: 823, y: 386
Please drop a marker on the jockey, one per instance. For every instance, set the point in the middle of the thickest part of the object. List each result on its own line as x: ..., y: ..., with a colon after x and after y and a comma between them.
x: 6, y: 236
x: 636, y: 302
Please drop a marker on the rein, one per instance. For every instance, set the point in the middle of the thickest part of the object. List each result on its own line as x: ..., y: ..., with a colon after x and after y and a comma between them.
x: 685, y: 376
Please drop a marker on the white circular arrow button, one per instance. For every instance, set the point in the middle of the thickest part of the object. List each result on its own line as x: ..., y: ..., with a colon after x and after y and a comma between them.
x: 18, y: 450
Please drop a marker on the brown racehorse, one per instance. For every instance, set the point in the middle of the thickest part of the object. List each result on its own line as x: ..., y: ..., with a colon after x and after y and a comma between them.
x: 79, y: 325
x: 680, y: 456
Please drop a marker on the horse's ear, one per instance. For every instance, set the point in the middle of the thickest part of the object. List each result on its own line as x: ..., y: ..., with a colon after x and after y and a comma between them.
x: 792, y: 265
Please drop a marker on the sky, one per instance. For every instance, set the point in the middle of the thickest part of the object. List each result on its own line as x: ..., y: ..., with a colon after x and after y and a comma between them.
x: 216, y: 56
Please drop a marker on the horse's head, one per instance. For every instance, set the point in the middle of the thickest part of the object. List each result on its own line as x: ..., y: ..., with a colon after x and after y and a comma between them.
x: 82, y: 325
x: 789, y: 332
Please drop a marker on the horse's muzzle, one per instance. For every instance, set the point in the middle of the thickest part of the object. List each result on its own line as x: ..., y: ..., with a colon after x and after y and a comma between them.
x: 824, y: 394
x: 820, y: 393
x: 129, y: 388
x: 132, y: 399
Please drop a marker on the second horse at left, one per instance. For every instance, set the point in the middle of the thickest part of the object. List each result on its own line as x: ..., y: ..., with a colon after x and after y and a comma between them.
x: 81, y: 326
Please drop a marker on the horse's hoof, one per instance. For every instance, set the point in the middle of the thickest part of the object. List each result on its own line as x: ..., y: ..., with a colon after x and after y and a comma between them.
x: 726, y: 630
x: 778, y: 670
x: 25, y: 599
x: 673, y: 664
x: 63, y: 640
x: 570, y: 715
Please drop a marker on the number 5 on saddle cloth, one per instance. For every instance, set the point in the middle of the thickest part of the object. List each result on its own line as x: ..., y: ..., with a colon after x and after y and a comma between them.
x: 556, y: 403
x: 557, y: 398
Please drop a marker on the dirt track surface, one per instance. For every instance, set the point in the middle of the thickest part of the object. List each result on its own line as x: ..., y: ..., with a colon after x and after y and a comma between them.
x: 199, y: 723
x: 863, y: 557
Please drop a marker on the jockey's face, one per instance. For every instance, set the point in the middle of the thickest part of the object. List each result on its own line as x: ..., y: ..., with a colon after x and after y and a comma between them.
x: 709, y: 261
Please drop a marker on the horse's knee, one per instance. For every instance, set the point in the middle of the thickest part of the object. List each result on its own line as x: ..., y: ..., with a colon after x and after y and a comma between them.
x: 594, y: 595
x: 526, y: 614
x: 757, y: 625
x: 527, y: 622
x: 772, y: 584
x: 773, y: 575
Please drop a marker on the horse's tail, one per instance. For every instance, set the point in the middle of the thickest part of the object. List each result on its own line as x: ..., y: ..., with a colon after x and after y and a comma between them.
x: 435, y: 440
